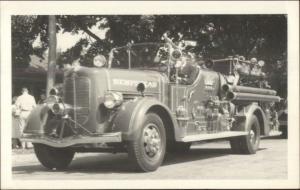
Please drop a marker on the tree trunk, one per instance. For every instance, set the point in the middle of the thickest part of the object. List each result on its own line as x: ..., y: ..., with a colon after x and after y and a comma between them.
x: 52, y: 53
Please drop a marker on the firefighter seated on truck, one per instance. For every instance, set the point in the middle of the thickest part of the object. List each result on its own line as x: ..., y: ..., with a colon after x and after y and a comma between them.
x: 256, y: 76
x: 257, y: 69
x: 187, y: 69
x: 242, y: 69
x: 241, y: 66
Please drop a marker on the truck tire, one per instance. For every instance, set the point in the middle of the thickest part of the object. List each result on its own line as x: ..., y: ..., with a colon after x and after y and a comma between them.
x: 178, y: 147
x: 51, y: 157
x: 148, y: 149
x: 247, y: 144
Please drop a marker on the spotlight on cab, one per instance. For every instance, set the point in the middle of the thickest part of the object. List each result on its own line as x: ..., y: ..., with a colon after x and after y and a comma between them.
x: 99, y: 61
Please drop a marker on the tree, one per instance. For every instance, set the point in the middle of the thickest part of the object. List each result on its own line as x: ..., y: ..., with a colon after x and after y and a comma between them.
x: 25, y: 29
x: 52, y: 53
x: 261, y: 36
x: 249, y: 35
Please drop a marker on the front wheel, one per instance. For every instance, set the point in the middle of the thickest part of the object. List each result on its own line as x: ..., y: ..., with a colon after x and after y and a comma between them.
x: 148, y: 149
x: 247, y: 144
x: 52, y: 157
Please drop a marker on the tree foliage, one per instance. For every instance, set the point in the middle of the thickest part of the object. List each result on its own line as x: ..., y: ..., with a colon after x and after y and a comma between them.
x: 252, y: 35
x: 25, y: 29
x: 261, y: 36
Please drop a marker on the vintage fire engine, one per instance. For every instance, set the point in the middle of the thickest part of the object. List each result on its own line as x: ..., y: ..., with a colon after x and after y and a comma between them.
x: 137, y: 104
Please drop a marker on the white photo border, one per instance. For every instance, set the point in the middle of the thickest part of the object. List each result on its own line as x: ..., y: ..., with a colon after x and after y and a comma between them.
x: 290, y: 8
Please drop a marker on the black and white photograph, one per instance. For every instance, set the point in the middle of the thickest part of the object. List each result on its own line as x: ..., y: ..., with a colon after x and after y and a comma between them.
x: 152, y: 94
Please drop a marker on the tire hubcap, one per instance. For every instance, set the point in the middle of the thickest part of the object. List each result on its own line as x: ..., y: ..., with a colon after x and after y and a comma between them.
x: 252, y: 136
x: 152, y: 140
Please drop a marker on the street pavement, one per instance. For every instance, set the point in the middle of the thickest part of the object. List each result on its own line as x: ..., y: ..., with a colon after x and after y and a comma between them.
x: 211, y: 160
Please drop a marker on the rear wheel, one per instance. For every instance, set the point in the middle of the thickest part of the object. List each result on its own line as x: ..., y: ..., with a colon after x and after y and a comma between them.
x: 52, y: 157
x: 147, y: 150
x: 247, y: 144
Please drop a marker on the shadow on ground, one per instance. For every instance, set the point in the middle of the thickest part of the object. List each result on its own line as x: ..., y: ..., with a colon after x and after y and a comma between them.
x: 120, y: 163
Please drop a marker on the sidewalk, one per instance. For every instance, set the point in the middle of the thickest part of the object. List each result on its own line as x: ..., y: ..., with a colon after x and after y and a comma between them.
x: 22, y: 151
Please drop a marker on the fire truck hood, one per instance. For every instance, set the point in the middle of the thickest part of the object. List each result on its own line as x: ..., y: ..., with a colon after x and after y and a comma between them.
x: 128, y: 80
x: 124, y: 80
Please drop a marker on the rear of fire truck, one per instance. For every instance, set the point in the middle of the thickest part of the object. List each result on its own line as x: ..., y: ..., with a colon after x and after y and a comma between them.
x: 253, y: 101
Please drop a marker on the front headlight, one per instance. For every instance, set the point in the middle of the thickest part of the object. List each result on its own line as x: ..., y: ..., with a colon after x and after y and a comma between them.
x: 112, y: 99
x: 58, y: 108
x: 55, y: 105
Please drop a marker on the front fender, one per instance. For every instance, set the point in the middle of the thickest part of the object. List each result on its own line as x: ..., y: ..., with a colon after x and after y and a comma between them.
x: 131, y: 116
x: 37, y: 120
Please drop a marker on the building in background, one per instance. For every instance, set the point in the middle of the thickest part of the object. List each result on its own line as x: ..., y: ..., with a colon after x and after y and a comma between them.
x: 34, y: 79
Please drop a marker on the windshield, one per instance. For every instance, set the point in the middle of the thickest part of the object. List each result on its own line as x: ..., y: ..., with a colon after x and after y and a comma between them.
x: 140, y: 56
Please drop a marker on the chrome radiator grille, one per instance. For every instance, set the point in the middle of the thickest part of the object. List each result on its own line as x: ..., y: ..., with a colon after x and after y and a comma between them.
x: 77, y: 94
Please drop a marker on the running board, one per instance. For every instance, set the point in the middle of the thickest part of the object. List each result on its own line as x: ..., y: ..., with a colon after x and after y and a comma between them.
x: 200, y: 137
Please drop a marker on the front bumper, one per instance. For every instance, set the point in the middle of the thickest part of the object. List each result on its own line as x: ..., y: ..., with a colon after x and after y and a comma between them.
x: 73, y: 140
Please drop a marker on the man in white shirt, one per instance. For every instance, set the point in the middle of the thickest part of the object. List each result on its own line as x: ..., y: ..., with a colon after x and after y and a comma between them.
x: 25, y: 103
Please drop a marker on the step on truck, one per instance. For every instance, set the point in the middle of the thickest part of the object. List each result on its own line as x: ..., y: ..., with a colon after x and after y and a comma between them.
x: 137, y: 103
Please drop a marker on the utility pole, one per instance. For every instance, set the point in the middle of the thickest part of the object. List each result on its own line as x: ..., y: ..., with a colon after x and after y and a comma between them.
x: 52, y: 53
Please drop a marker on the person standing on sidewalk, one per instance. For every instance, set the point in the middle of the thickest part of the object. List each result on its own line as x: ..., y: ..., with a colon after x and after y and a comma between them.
x: 25, y: 103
